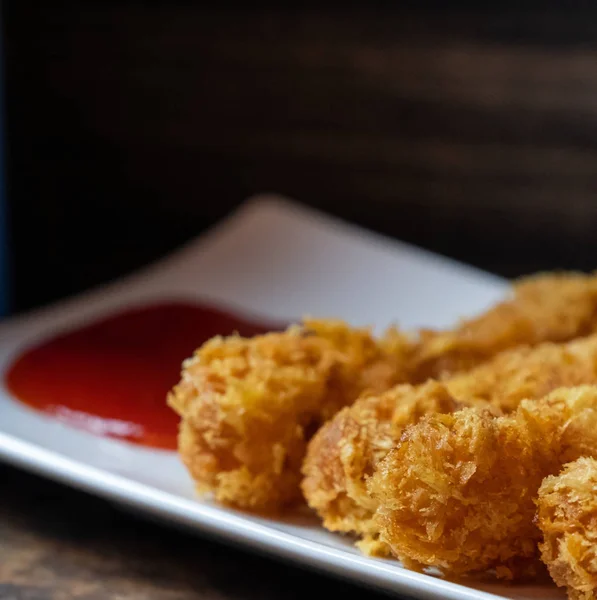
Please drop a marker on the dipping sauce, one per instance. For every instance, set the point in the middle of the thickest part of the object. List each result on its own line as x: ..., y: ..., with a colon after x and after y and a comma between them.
x: 111, y: 377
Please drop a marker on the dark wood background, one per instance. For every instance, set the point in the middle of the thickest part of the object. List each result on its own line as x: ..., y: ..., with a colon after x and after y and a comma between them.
x: 134, y: 125
x: 58, y: 544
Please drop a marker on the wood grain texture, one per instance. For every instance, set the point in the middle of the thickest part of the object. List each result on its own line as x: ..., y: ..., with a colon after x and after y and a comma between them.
x: 59, y: 544
x: 134, y: 125
x: 468, y: 131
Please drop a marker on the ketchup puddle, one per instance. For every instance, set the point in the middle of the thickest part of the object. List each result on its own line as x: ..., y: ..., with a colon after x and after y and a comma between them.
x: 111, y: 377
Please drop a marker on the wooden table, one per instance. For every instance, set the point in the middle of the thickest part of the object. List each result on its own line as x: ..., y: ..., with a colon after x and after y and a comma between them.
x: 59, y: 544
x: 469, y: 131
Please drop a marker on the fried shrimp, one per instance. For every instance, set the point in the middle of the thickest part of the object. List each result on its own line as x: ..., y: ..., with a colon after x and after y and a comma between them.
x: 248, y: 406
x: 567, y: 518
x: 528, y: 372
x: 458, y: 491
x: 545, y: 307
x: 345, y: 451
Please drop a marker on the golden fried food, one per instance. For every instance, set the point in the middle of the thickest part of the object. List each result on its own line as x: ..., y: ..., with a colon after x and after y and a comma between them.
x: 567, y: 518
x: 545, y: 307
x: 346, y: 450
x: 528, y: 372
x: 248, y: 406
x: 458, y: 492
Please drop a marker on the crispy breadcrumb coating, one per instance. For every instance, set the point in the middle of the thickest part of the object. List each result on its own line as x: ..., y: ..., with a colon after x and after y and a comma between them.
x: 248, y: 406
x: 567, y: 517
x: 555, y: 307
x: 348, y: 448
x: 528, y: 372
x: 458, y: 492
x: 345, y: 451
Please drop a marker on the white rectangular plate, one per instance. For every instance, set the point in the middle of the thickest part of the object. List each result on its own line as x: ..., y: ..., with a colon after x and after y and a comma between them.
x: 283, y: 261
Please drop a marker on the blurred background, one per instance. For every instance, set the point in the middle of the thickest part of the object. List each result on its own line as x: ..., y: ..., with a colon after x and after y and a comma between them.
x: 132, y: 126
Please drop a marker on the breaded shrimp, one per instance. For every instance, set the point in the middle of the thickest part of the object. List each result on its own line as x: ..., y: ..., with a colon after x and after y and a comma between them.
x: 248, y: 406
x: 567, y: 518
x: 546, y: 307
x: 543, y: 307
x: 458, y: 492
x: 346, y: 450
x: 528, y: 372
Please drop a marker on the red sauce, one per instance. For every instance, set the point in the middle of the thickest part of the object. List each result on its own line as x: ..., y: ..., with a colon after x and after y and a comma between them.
x: 111, y: 377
